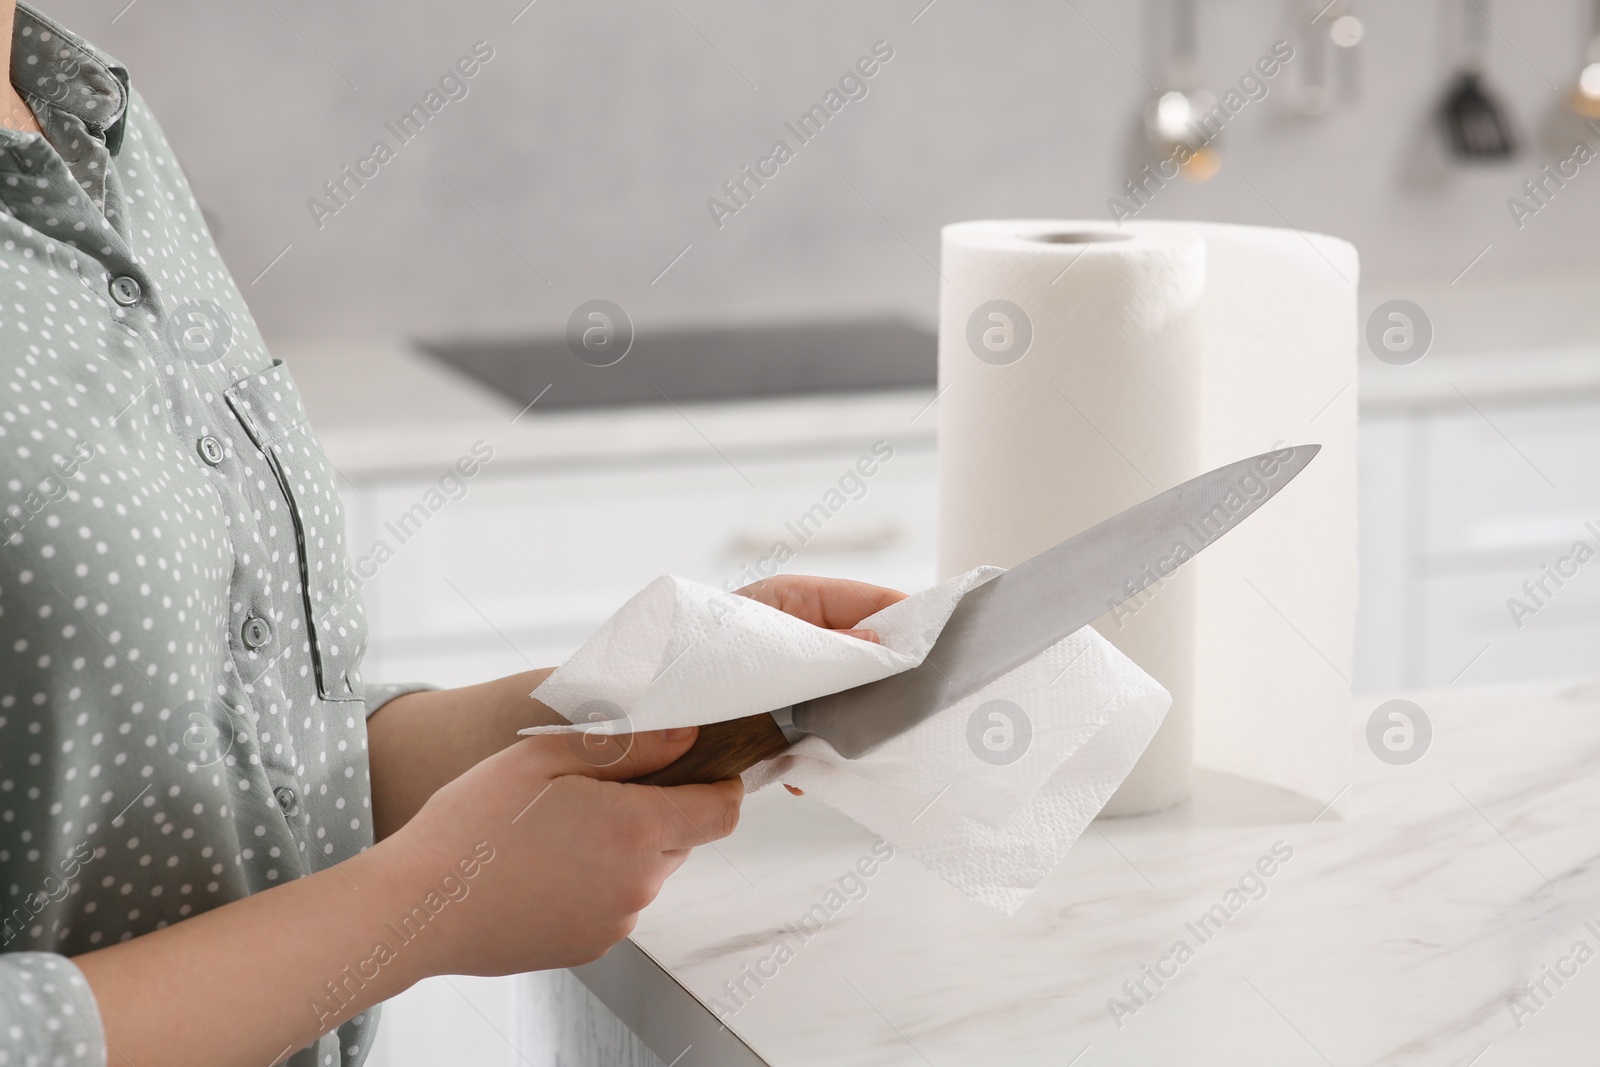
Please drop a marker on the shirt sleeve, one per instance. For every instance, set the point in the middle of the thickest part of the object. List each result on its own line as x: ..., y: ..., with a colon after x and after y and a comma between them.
x: 379, y: 695
x: 47, y: 1012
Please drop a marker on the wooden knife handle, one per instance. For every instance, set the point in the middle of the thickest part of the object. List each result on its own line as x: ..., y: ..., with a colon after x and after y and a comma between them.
x: 722, y: 750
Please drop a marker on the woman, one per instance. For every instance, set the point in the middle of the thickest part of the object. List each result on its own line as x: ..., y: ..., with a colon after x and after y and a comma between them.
x: 218, y: 844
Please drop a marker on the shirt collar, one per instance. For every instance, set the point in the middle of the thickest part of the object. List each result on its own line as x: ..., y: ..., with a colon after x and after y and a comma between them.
x: 59, y: 71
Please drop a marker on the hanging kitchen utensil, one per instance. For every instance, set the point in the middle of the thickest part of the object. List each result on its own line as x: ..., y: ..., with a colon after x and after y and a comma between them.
x: 1585, y: 97
x: 1346, y: 31
x: 1311, y: 95
x: 1327, y: 61
x: 1476, y: 123
x: 1174, y: 119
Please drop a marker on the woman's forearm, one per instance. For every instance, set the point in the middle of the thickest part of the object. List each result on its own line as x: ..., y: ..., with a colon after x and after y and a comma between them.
x: 535, y: 857
x: 258, y: 978
x: 421, y: 741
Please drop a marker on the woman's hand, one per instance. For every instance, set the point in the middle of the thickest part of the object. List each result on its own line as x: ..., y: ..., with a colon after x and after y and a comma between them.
x: 537, y: 857
x: 832, y: 603
x: 563, y: 855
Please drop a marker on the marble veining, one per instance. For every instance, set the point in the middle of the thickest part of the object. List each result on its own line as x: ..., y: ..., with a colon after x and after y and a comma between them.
x: 1400, y: 929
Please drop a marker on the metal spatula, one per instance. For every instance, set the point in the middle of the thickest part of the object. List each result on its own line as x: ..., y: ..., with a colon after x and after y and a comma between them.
x: 1476, y: 123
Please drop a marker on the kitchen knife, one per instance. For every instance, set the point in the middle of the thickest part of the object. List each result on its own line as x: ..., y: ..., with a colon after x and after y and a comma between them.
x: 1006, y: 621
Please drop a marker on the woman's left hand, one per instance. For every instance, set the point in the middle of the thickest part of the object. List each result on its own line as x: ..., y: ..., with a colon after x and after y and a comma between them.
x: 832, y: 603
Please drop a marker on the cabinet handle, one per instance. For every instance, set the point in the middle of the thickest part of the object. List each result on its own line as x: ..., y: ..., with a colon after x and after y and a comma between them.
x: 877, y: 538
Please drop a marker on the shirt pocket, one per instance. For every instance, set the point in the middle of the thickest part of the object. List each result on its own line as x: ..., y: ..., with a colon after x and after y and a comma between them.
x: 268, y: 405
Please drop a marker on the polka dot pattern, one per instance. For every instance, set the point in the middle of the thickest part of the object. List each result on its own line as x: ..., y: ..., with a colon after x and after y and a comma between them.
x: 182, y: 716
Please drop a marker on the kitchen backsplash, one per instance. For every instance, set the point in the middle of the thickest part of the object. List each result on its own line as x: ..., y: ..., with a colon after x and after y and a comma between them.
x: 484, y: 167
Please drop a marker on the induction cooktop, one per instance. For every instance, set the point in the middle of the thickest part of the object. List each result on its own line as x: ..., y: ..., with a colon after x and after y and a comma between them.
x: 604, y: 364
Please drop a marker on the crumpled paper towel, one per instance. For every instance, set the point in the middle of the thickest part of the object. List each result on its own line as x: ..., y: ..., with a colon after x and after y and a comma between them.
x: 988, y: 793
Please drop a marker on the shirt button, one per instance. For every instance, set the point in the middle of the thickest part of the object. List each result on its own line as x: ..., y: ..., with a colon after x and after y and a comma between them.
x: 286, y: 799
x: 211, y: 450
x: 256, y: 632
x: 125, y: 290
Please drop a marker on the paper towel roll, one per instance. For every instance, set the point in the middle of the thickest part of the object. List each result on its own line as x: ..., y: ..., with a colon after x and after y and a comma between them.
x: 1084, y: 367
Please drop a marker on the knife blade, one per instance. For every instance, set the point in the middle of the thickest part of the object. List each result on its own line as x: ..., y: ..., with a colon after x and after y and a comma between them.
x: 1006, y: 621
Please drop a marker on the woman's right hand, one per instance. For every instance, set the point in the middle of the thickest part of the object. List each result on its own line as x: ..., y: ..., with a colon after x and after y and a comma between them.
x: 541, y: 856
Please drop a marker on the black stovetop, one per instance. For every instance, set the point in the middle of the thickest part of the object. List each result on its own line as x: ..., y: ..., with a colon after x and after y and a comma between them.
x: 708, y: 364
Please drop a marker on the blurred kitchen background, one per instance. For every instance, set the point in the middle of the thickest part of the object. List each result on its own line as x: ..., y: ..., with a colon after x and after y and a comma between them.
x: 578, y: 167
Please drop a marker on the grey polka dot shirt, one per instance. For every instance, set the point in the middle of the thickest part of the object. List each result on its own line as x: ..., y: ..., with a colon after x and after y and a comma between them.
x: 182, y: 714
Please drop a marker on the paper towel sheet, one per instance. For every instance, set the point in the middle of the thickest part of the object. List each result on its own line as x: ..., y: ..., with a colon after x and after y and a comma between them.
x: 989, y: 793
x: 1084, y: 367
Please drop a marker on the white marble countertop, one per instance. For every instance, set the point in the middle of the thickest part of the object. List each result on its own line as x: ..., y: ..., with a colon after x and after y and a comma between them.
x: 1398, y: 932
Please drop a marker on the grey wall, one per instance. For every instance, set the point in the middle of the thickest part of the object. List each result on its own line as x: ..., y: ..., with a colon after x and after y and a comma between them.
x: 593, y: 139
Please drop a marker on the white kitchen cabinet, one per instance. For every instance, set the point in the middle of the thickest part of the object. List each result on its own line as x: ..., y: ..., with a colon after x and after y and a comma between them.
x: 1511, y: 479
x: 1388, y: 607
x: 1461, y: 505
x: 529, y: 562
x: 448, y: 1020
